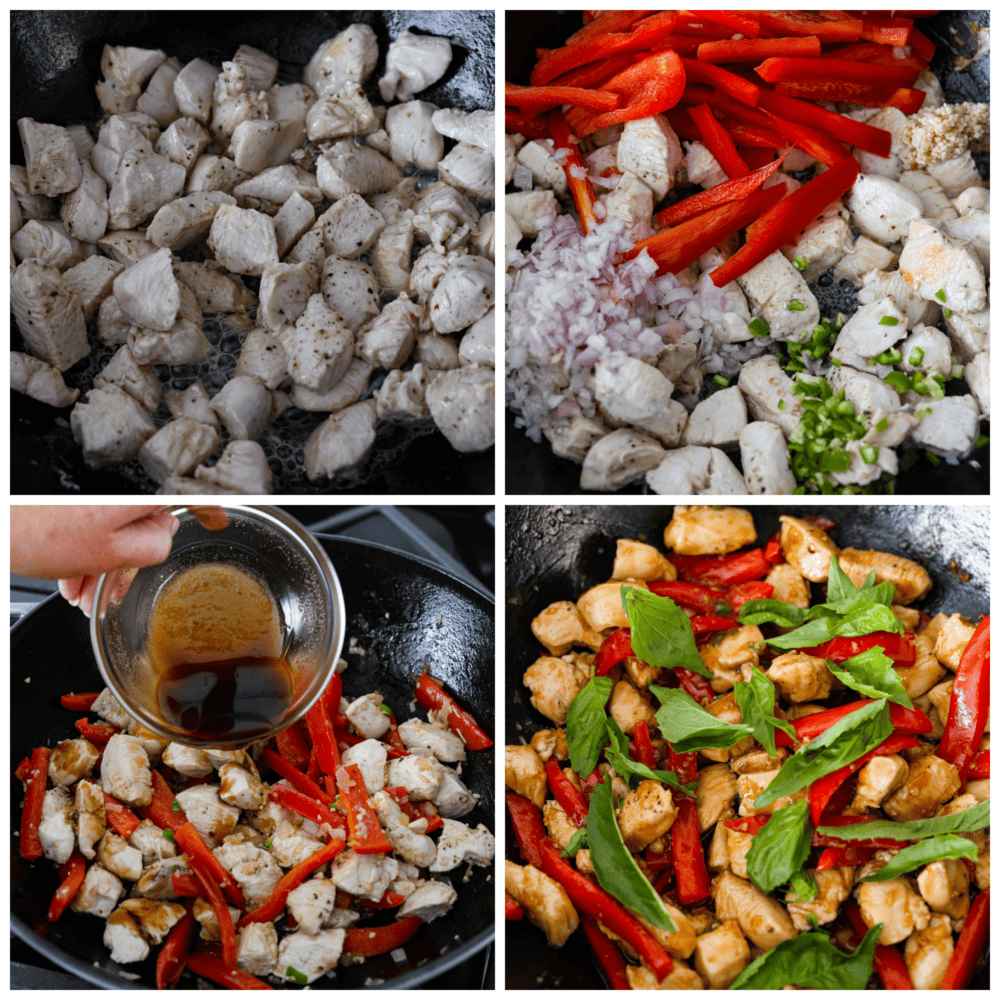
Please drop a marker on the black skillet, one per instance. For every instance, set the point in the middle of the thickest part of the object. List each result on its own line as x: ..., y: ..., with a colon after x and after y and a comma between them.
x: 402, y: 612
x: 555, y: 553
x: 531, y: 466
x: 55, y: 62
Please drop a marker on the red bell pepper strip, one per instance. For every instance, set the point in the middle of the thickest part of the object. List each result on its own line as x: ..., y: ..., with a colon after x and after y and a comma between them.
x: 772, y: 551
x: 511, y: 909
x: 811, y: 141
x: 911, y: 721
x: 161, y: 810
x: 416, y: 810
x: 909, y: 100
x: 332, y: 694
x: 839, y: 857
x: 607, y: 954
x: 748, y: 824
x: 185, y: 885
x: 274, y: 905
x: 645, y: 752
x: 782, y: 70
x: 753, y: 590
x: 693, y: 882
x: 515, y: 122
x: 740, y: 187
x: 980, y: 765
x: 215, y: 969
x: 727, y: 571
x: 756, y: 157
x: 365, y: 834
x: 822, y: 789
x: 969, y: 708
x: 971, y: 944
x: 888, y: 962
x: 393, y: 738
x: 566, y: 793
x: 313, y: 772
x: 695, y: 685
x: 593, y: 74
x: 718, y: 142
x: 369, y: 941
x: 305, y: 805
x: 704, y: 600
x: 688, y: 24
x: 800, y: 22
x: 197, y: 850
x: 213, y: 894
x: 683, y: 45
x: 786, y: 220
x: 579, y: 183
x: 293, y: 745
x: 389, y: 901
x: 722, y: 79
x: 592, y: 901
x: 34, y: 798
x: 604, y: 22
x: 825, y: 840
x: 660, y: 861
x: 922, y: 45
x: 173, y: 955
x: 547, y: 97
x: 727, y: 107
x: 893, y: 31
x: 734, y: 22
x: 529, y: 831
x: 881, y: 55
x: 430, y: 694
x: 23, y: 770
x: 79, y: 702
x: 614, y: 649
x: 901, y: 649
x: 71, y: 874
x: 742, y: 50
x: 701, y: 624
x: 321, y: 733
x: 122, y: 820
x: 674, y: 249
x: 97, y: 733
x: 301, y: 781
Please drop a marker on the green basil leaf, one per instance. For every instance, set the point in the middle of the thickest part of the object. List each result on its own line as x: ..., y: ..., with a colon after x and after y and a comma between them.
x: 838, y: 584
x: 576, y: 843
x: 618, y: 757
x: 813, y: 633
x: 805, y: 887
x: 764, y: 610
x: 876, y: 618
x: 780, y: 849
x: 810, y: 960
x: 845, y: 741
x: 685, y: 724
x: 872, y: 674
x: 966, y: 821
x: 942, y: 847
x: 661, y: 632
x: 616, y: 869
x: 585, y: 732
x: 756, y: 700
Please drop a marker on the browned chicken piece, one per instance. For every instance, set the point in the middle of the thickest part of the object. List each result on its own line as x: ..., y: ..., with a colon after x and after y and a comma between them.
x: 679, y: 943
x: 794, y: 712
x: 725, y: 660
x: 800, y: 677
x: 561, y: 828
x: 602, y: 607
x: 879, y: 778
x: 583, y: 863
x: 554, y: 683
x: 925, y: 672
x: 560, y: 627
x: 718, y: 850
x: 931, y: 782
x: 125, y: 771
x: 808, y: 548
x: 619, y: 789
x: 894, y: 904
x: 154, y: 916
x: 543, y: 900
x: 716, y: 791
x: 680, y: 977
x: 940, y: 697
x: 945, y: 887
x: 739, y: 844
x: 910, y: 617
x: 697, y: 531
x: 640, y: 672
x: 927, y: 953
x: 834, y: 886
x: 759, y: 760
x: 910, y: 579
x: 647, y: 813
x: 549, y: 742
x: 628, y: 709
x: 727, y: 709
x: 983, y: 866
x: 790, y: 585
x: 639, y: 561
x: 721, y: 955
x: 937, y: 726
x: 750, y: 786
x: 979, y: 788
x: 912, y: 754
x: 90, y: 823
x: 761, y: 918
x: 524, y: 772
x: 71, y: 760
x: 952, y: 639
x: 933, y: 628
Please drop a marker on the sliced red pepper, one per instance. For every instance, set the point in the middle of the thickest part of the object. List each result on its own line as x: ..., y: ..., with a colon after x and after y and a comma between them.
x: 604, y: 22
x: 607, y: 954
x: 511, y: 909
x: 369, y: 941
x: 592, y: 901
x: 660, y: 861
x: 121, y: 819
x: 909, y: 100
x: 726, y: 106
x: 733, y: 22
x: 161, y: 810
x: 305, y: 805
x: 839, y: 857
x: 742, y: 50
x: 911, y: 721
x: 515, y: 122
x: 693, y: 882
x: 197, y: 850
x: 614, y: 649
x: 173, y: 955
x: 748, y: 824
x: 416, y: 810
x: 314, y: 772
x: 695, y: 686
x: 811, y: 141
x: 970, y: 946
x: 645, y: 752
x: 783, y: 222
x: 800, y: 22
x: 544, y: 98
x: 432, y: 695
x: 881, y: 55
x: 888, y: 962
x: 293, y: 745
x: 23, y: 769
x: 566, y: 793
x: 332, y: 695
x: 901, y: 649
x: 718, y: 142
x: 727, y: 571
x: 593, y: 74
x: 701, y: 624
x: 30, y: 843
x: 887, y: 30
x: 365, y: 834
x: 79, y: 702
x: 301, y: 781
x: 215, y: 969
x: 969, y: 708
x: 97, y: 733
x: 579, y: 183
x: 529, y: 831
x: 753, y: 590
x: 213, y: 894
x: 71, y: 874
x: 922, y: 45
x: 321, y: 733
x: 782, y: 70
x: 389, y: 901
x: 980, y: 765
x: 704, y: 600
x: 393, y: 738
x: 722, y: 79
x: 683, y: 45
x: 185, y: 885
x: 772, y: 551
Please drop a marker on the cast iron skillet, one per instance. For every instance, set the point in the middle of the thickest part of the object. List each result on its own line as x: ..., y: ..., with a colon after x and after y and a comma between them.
x: 532, y: 468
x: 56, y: 57
x: 555, y: 553
x: 403, y: 612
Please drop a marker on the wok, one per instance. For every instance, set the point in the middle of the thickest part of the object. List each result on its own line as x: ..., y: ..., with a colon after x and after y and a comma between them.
x: 55, y: 63
x: 555, y: 553
x: 403, y: 612
x: 532, y: 468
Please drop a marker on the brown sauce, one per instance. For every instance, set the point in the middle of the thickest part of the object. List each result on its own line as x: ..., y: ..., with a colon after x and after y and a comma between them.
x: 215, y: 644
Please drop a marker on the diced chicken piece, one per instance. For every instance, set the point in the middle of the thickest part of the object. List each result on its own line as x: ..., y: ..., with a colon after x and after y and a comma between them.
x: 194, y: 87
x: 123, y: 937
x: 944, y: 886
x: 949, y: 427
x: 865, y: 336
x: 936, y: 203
x: 436, y: 353
x: 125, y: 770
x: 186, y: 220
x: 387, y: 340
x: 52, y: 162
x: 561, y: 626
x: 244, y: 406
x: 928, y: 952
x: 738, y: 845
x: 412, y: 64
x: 48, y: 314
x: 942, y: 268
x: 257, y: 949
x: 264, y: 357
x: 619, y: 458
x: 157, y: 101
x: 808, y: 548
x: 177, y: 447
x: 242, y: 468
x: 47, y: 243
x: 977, y: 374
x: 348, y: 389
x: 308, y: 955
x: 342, y: 442
x: 40, y: 380
x: 243, y: 240
x: 953, y: 637
x: 770, y: 286
x: 727, y: 709
x: 931, y: 781
x: 721, y: 955
x: 833, y: 888
x: 148, y: 292
x: 291, y: 845
x: 349, y: 57
x: 956, y: 174
x: 215, y: 173
x: 235, y: 102
x: 366, y: 875
x: 894, y: 904
x: 638, y: 561
x: 647, y: 813
x: 183, y: 142
x: 127, y: 246
x: 546, y: 171
x: 185, y: 760
x: 463, y: 294
x: 156, y: 879
x: 277, y: 185
x: 453, y: 798
x: 478, y: 343
x: 442, y: 742
x: 600, y: 607
x: 118, y: 135
x: 367, y: 716
x: 765, y: 460
x: 99, y: 892
x: 412, y: 136
x: 544, y: 901
x: 285, y: 290
x: 119, y: 858
x: 789, y: 585
x: 749, y: 786
x: 628, y: 708
x: 765, y: 387
x: 476, y: 127
x: 311, y: 904
x: 973, y: 199
x: 530, y: 209
x: 822, y: 244
x: 295, y: 218
x: 142, y: 185
x: 148, y: 839
x: 650, y: 149
x: 348, y: 169
x: 370, y: 756
x: 524, y: 773
x: 879, y: 778
x: 350, y: 227
x: 92, y: 280
x: 883, y: 209
x: 910, y: 579
x: 630, y: 391
x: 707, y: 530
x: 762, y: 919
x: 240, y: 788
x: 407, y: 843
x: 253, y: 868
x: 554, y: 683
x: 401, y: 397
x: 420, y: 776
x: 879, y: 284
x: 70, y: 761
x: 350, y: 290
x: 983, y: 865
x: 800, y: 677
x: 550, y: 742
x: 468, y: 168
x: 55, y: 831
x: 936, y: 351
x: 716, y: 790
x: 680, y: 977
x: 207, y: 813
x: 109, y: 708
x: 209, y: 921
x: 85, y: 208
x: 718, y: 420
x: 693, y: 470
x: 461, y: 404
x: 446, y: 219
x: 430, y: 901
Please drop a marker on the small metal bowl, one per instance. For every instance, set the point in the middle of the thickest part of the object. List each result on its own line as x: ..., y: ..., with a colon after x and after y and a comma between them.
x: 272, y: 547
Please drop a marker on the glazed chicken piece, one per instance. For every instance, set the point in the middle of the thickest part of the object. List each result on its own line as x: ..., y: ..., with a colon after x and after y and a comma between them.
x: 560, y: 827
x: 312, y: 903
x: 880, y: 777
x: 524, y: 772
x: 646, y: 814
x: 544, y: 901
x: 90, y: 821
x: 750, y: 786
x: 834, y: 886
x: 124, y: 939
x: 756, y: 760
x: 727, y: 659
x: 257, y: 949
x: 189, y: 761
x: 721, y: 955
x: 550, y: 742
x: 726, y: 708
x: 928, y: 951
x: 154, y: 917
x: 679, y: 943
x: 628, y: 708
x: 601, y: 606
x: 291, y: 845
x: 119, y: 858
x: 894, y: 904
x: 411, y: 845
x: 209, y: 921
x: 156, y: 880
x: 910, y: 579
x: 99, y: 893
x: 800, y: 677
x: 789, y: 585
x: 931, y: 782
x: 716, y: 791
x: 945, y: 887
x: 952, y: 639
x: 554, y: 683
x: 639, y: 561
x: 680, y: 977
x: 561, y: 626
x: 240, y: 788
x: 695, y: 531
x: 762, y: 919
x: 431, y: 900
x: 309, y: 955
x: 925, y: 672
x: 808, y: 548
x: 149, y: 840
x: 71, y: 760
x: 125, y: 771
x: 737, y: 846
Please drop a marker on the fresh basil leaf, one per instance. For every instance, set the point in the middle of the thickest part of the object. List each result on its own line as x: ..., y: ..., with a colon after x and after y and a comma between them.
x: 845, y: 741
x: 661, y: 632
x: 839, y: 586
x: 805, y: 887
x: 780, y: 849
x: 616, y: 869
x: 813, y: 633
x: 876, y: 618
x: 966, y: 821
x: 618, y: 757
x: 685, y: 724
x: 756, y: 700
x: 576, y: 843
x: 942, y: 847
x: 872, y: 674
x: 810, y: 960
x: 585, y: 732
x: 764, y: 610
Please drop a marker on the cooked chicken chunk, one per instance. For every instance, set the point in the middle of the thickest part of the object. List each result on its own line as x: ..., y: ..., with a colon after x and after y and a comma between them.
x: 910, y: 579
x: 207, y: 813
x: 894, y: 904
x: 561, y: 626
x: 952, y: 639
x: 407, y: 843
x: 253, y: 868
x: 877, y: 779
x: 71, y: 760
x: 928, y: 951
x: 647, y: 813
x: 808, y: 548
x: 412, y: 64
x: 366, y: 875
x: 366, y: 715
x: 56, y: 831
x: 461, y: 402
x: 370, y: 756
x: 312, y: 903
x: 680, y: 977
x: 308, y: 955
x: 789, y: 585
x: 704, y: 530
x: 833, y: 888
x: 123, y: 937
x: 931, y: 781
x: 716, y: 791
x: 119, y: 858
x: 99, y: 893
x: 721, y: 955
x: 52, y: 162
x: 628, y: 708
x: 762, y: 919
x: 125, y: 771
x: 257, y: 949
x: 443, y: 743
x: 544, y: 901
x: 149, y: 840
x: 944, y: 886
x: 420, y: 776
x: 800, y: 677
